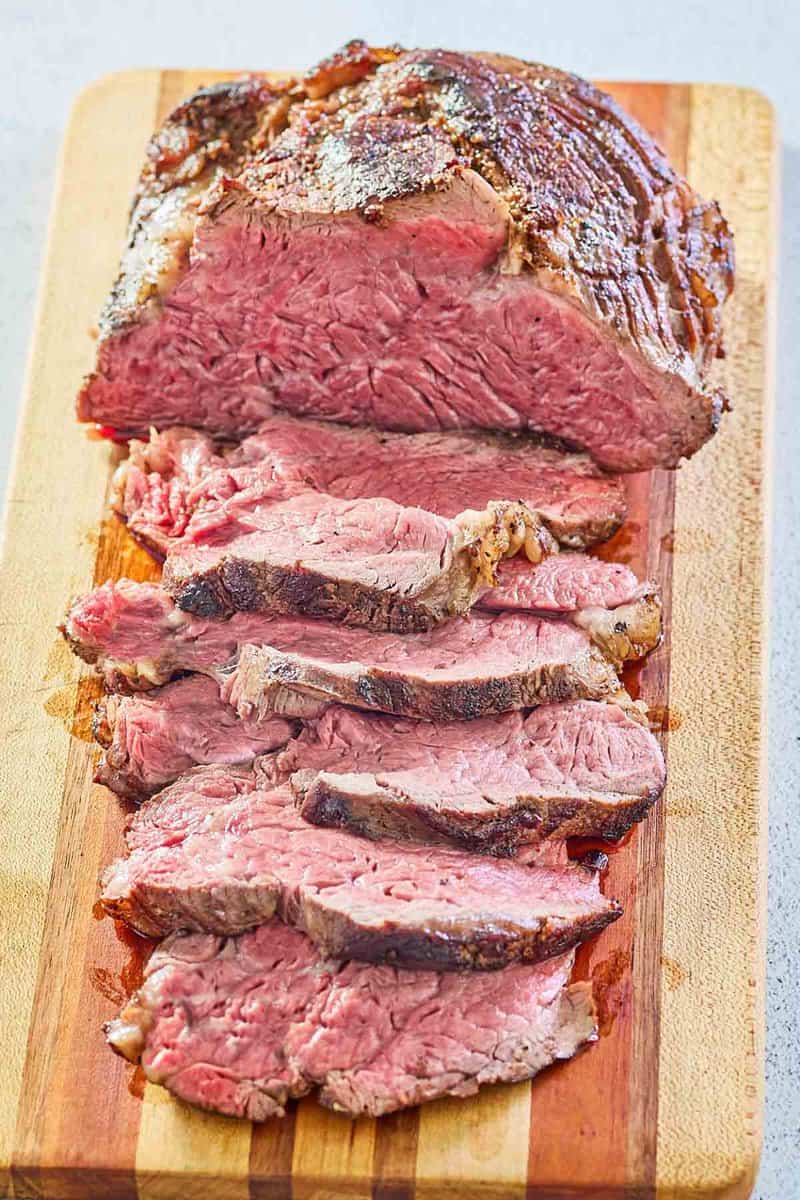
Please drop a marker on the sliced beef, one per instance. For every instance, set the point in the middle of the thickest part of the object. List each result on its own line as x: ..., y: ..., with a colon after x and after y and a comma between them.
x: 451, y: 241
x: 241, y: 1025
x: 180, y: 485
x: 621, y: 615
x: 572, y: 769
x: 491, y: 662
x: 564, y: 770
x: 370, y: 563
x: 137, y: 638
x: 487, y: 664
x: 151, y: 738
x: 563, y: 583
x: 223, y: 849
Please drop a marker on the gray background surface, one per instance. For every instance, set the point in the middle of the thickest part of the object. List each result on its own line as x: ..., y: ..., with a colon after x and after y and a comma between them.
x: 50, y: 50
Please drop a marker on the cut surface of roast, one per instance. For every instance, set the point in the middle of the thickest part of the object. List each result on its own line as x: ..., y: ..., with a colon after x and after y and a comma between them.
x: 180, y: 486
x: 241, y: 1025
x: 223, y: 849
x: 565, y: 770
x: 370, y: 563
x: 463, y: 668
x: 137, y: 638
x: 150, y: 738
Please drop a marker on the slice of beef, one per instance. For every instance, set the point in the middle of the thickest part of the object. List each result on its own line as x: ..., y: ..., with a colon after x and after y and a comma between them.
x: 452, y: 241
x: 370, y: 563
x: 223, y: 849
x: 621, y: 615
x: 487, y: 664
x: 180, y: 485
x: 138, y: 639
x: 563, y: 583
x: 565, y: 770
x: 490, y: 662
x: 240, y: 1025
x: 572, y: 769
x: 151, y: 738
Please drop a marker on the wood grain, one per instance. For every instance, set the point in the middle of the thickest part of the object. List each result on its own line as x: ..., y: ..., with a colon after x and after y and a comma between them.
x: 668, y: 1103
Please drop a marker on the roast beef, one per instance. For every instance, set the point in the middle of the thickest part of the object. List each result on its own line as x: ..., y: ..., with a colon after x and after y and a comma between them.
x: 153, y: 737
x: 429, y: 240
x: 464, y: 668
x: 370, y: 563
x: 487, y: 664
x: 223, y: 849
x: 240, y: 1025
x: 620, y: 615
x: 179, y: 484
x: 576, y: 769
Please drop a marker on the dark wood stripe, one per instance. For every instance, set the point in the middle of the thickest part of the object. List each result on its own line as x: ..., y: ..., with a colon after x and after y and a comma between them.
x: 672, y: 133
x: 395, y: 1155
x: 271, y: 1159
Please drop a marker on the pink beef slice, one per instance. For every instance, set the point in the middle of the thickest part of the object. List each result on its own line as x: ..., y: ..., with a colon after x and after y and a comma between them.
x: 499, y: 784
x: 223, y: 849
x: 241, y: 1025
x: 622, y: 616
x: 151, y: 738
x: 489, y: 662
x: 450, y: 241
x: 369, y: 563
x: 563, y: 583
x: 181, y: 485
x: 575, y: 769
x: 138, y: 638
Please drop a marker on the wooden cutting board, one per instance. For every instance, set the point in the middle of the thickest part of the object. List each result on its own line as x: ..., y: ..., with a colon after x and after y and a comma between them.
x: 668, y: 1102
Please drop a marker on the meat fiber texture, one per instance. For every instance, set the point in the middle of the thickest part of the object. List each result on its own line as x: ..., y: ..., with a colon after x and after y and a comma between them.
x: 151, y: 738
x: 496, y: 785
x: 370, y: 563
x: 571, y: 769
x: 181, y: 486
x: 138, y: 638
x: 241, y: 1025
x: 449, y: 241
x: 223, y: 850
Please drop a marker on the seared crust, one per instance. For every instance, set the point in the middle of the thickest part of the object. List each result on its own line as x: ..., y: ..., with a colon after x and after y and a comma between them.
x: 449, y: 948
x: 263, y: 674
x: 372, y: 809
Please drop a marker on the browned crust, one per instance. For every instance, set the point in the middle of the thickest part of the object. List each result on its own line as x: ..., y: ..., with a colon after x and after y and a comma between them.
x: 440, y: 948
x: 378, y: 811
x: 262, y: 672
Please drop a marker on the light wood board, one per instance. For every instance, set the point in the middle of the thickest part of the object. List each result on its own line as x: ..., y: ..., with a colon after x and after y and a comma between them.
x: 668, y: 1103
